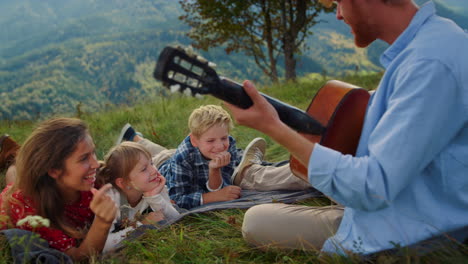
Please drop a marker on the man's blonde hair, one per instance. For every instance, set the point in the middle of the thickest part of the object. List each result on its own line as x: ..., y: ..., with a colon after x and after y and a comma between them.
x: 206, y: 116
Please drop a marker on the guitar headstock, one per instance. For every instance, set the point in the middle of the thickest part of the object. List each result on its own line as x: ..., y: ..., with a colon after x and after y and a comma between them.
x: 180, y: 69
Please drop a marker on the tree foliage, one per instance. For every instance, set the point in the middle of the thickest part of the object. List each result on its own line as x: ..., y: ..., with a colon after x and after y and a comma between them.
x: 263, y: 29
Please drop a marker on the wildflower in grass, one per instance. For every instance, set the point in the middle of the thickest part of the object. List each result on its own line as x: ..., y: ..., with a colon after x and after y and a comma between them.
x: 34, y: 221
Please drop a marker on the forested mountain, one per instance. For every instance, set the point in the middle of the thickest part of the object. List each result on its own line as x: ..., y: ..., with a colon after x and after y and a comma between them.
x: 332, y: 45
x: 58, y: 53
x: 62, y: 56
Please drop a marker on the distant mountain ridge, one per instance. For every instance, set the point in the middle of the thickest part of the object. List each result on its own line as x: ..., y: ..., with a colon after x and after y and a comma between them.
x: 63, y: 56
x: 456, y: 6
x: 32, y: 24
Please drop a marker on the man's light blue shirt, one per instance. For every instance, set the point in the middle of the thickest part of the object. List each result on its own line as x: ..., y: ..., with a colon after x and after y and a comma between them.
x: 409, y: 178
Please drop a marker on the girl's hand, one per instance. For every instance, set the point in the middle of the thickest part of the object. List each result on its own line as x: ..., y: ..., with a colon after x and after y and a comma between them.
x: 153, y: 217
x: 222, y: 159
x: 102, y: 204
x: 158, y: 189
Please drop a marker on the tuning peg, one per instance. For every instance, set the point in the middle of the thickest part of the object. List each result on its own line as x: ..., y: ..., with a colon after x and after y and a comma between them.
x: 174, y: 88
x: 201, y: 59
x: 188, y: 92
x: 189, y: 50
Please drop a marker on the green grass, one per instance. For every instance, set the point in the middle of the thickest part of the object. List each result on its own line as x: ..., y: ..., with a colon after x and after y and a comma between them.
x: 212, y: 237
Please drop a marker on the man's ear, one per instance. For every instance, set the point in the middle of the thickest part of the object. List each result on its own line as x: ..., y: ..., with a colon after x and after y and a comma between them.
x: 54, y: 173
x: 193, y: 140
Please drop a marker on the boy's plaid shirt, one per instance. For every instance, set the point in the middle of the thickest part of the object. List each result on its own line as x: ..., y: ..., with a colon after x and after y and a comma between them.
x: 186, y: 173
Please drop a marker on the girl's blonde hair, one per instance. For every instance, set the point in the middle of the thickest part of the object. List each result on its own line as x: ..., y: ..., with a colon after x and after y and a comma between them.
x: 47, y: 148
x: 204, y: 117
x: 120, y: 161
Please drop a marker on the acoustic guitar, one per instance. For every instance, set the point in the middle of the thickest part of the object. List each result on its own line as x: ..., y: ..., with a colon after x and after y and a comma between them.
x: 334, y: 118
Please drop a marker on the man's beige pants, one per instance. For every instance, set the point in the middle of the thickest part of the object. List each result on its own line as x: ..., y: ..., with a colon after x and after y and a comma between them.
x: 290, y: 226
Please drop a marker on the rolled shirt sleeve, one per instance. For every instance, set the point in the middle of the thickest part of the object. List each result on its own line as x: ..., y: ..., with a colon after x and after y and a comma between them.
x: 400, y: 145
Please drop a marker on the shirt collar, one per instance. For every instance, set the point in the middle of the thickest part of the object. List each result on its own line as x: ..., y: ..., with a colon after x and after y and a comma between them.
x: 188, y: 149
x: 199, y: 159
x: 426, y: 11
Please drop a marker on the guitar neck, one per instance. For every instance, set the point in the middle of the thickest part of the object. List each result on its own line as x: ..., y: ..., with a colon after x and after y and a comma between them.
x: 232, y: 92
x: 178, y: 68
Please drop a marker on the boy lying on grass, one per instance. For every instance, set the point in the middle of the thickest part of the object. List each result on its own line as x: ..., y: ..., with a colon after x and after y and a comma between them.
x: 207, y: 166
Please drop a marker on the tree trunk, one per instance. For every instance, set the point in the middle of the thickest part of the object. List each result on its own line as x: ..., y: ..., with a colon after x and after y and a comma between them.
x: 269, y: 40
x: 288, y: 40
x: 289, y: 60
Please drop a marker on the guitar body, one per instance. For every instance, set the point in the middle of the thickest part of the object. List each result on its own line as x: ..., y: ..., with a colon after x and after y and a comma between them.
x: 340, y: 107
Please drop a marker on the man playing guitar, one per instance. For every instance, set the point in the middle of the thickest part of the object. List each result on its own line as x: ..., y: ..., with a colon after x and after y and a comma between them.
x: 408, y: 180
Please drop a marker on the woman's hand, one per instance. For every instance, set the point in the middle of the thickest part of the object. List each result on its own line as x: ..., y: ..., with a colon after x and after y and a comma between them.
x: 102, y: 204
x: 105, y: 211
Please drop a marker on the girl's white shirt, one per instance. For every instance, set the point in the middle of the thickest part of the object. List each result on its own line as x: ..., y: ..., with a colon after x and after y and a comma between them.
x: 158, y: 202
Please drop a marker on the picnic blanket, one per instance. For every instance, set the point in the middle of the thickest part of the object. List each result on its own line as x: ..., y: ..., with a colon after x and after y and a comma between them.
x: 250, y: 198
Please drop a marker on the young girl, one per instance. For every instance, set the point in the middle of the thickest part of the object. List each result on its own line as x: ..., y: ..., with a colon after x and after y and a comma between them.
x: 138, y: 189
x: 56, y: 168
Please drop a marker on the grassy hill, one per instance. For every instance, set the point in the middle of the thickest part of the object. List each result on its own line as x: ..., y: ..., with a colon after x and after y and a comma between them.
x: 212, y: 237
x: 57, y: 56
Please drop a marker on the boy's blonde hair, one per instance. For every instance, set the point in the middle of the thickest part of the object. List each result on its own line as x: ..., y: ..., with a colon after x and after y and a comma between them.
x: 120, y: 161
x: 206, y: 116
